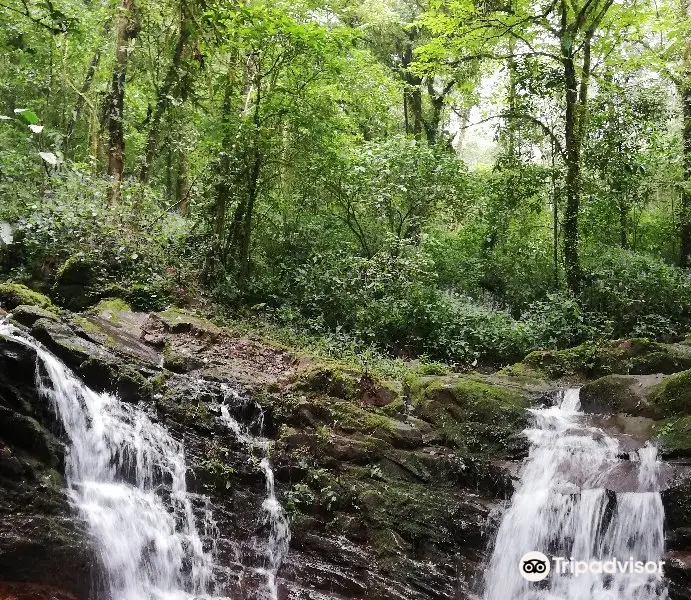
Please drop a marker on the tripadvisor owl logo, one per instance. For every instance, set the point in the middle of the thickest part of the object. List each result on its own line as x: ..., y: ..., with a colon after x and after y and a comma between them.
x: 534, y: 566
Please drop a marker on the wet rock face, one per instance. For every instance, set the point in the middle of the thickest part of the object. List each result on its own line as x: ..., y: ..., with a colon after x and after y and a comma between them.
x: 40, y: 541
x: 394, y: 492
x: 387, y: 502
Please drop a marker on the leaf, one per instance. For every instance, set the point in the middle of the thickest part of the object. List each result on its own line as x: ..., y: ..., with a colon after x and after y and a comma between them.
x: 36, y: 128
x: 29, y: 115
x: 49, y: 157
x: 5, y: 118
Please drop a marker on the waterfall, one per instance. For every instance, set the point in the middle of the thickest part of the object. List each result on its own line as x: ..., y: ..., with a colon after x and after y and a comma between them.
x: 566, y: 506
x: 273, y: 515
x: 126, y: 477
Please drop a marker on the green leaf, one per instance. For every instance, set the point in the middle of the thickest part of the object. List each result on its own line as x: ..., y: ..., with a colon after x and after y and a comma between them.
x: 29, y: 115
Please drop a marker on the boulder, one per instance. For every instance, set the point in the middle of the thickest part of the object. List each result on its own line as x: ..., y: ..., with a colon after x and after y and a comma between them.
x: 635, y: 356
x: 16, y: 294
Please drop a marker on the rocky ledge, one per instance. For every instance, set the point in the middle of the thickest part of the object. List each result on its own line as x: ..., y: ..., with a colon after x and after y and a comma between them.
x: 393, y: 486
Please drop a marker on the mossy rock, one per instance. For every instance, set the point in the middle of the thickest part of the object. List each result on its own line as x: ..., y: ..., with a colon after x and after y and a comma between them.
x: 428, y: 518
x: 111, y: 308
x: 628, y: 394
x: 475, y: 415
x: 16, y: 294
x: 355, y: 387
x: 28, y: 315
x: 672, y: 397
x: 677, y: 503
x: 180, y: 362
x: 635, y: 356
x: 674, y: 436
x: 76, y: 282
x: 177, y: 320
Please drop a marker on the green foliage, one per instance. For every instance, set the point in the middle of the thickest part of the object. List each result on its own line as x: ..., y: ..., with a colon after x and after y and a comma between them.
x: 302, y: 172
x: 640, y: 294
x: 559, y: 322
x: 85, y: 250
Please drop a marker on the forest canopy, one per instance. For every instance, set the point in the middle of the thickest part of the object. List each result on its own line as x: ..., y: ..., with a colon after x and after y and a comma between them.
x: 453, y: 179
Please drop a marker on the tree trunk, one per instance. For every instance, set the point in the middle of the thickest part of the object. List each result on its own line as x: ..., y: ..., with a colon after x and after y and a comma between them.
x: 573, y: 178
x: 115, y: 103
x: 164, y: 93
x: 81, y: 97
x: 685, y: 212
x: 623, y: 223
x: 182, y: 188
x: 412, y: 100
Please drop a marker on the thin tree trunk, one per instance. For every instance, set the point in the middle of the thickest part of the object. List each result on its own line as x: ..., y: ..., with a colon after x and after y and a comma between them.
x: 623, y: 223
x: 182, y: 188
x: 115, y: 103
x: 685, y: 208
x: 164, y: 93
x: 573, y: 176
x: 81, y: 96
x: 412, y: 92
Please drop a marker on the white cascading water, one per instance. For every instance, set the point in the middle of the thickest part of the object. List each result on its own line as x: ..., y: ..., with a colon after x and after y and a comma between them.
x: 563, y: 508
x: 273, y: 515
x: 126, y: 477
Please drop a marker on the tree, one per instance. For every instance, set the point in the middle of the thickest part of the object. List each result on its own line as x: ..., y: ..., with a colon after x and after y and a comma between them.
x: 560, y: 36
x: 126, y: 30
x: 685, y: 93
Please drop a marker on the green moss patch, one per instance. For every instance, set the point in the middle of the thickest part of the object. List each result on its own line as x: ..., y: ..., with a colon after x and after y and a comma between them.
x: 181, y: 321
x: 111, y: 308
x: 474, y: 415
x: 15, y: 294
x: 674, y: 435
x: 635, y: 356
x: 349, y: 385
x: 673, y: 396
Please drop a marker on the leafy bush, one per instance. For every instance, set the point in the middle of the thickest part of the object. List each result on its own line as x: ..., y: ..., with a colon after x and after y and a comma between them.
x: 559, y: 322
x: 640, y: 294
x: 82, y: 250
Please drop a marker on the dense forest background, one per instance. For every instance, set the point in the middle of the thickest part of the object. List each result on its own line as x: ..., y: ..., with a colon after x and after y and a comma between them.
x: 454, y: 179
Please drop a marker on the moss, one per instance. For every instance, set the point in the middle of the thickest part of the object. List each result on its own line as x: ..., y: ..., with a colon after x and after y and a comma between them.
x: 15, y: 294
x: 609, y: 394
x: 350, y: 418
x: 351, y: 386
x: 677, y: 502
x: 158, y: 381
x: 329, y: 381
x: 432, y: 368
x: 132, y: 385
x: 85, y: 324
x: 111, y: 308
x: 674, y: 435
x: 637, y: 356
x: 400, y: 512
x: 673, y: 396
x: 475, y: 415
x: 28, y: 315
x: 179, y: 362
x: 181, y: 321
x: 522, y: 372
x: 194, y: 414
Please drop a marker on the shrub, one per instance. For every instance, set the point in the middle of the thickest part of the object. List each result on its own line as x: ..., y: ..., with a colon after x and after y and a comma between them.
x: 83, y: 250
x: 640, y: 294
x: 559, y: 322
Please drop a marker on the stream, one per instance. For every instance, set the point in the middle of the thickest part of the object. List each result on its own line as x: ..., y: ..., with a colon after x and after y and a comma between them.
x: 126, y: 477
x: 580, y: 498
